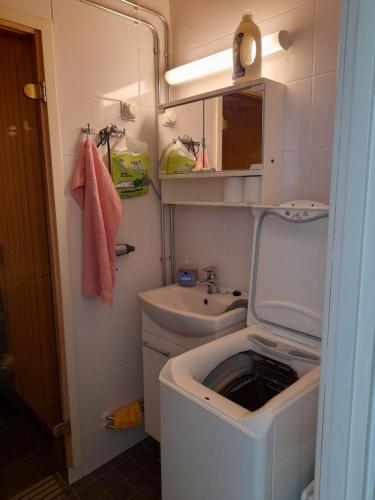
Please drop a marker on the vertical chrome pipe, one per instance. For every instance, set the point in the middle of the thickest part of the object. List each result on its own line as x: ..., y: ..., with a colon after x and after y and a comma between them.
x: 171, y: 232
x: 156, y: 62
x: 163, y: 252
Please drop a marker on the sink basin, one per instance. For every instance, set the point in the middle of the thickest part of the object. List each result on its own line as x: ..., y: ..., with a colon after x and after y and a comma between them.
x: 191, y: 312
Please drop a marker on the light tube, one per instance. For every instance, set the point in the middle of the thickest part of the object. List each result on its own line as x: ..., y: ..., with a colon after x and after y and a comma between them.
x: 271, y: 44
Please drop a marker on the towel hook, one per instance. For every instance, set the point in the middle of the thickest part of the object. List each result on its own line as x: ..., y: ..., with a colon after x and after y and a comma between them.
x: 88, y: 131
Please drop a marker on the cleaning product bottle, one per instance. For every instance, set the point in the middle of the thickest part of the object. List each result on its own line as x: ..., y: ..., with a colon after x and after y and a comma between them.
x: 247, y: 50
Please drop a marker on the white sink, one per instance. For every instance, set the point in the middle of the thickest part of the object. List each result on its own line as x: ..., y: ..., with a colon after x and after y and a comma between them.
x: 191, y: 312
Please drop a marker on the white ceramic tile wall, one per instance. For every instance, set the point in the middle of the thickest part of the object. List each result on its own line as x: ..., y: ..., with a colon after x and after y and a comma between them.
x: 39, y: 8
x: 101, y: 58
x: 308, y: 70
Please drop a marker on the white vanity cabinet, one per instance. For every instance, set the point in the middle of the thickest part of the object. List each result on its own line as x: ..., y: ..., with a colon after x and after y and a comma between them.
x: 156, y: 353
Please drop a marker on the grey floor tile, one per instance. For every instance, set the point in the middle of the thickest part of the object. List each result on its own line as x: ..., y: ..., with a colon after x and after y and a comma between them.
x: 81, y: 483
x: 140, y: 479
x: 104, y: 468
x: 154, y: 469
x: 93, y: 491
x: 145, y: 457
x: 122, y: 491
x: 151, y: 491
x: 127, y: 467
x: 110, y: 478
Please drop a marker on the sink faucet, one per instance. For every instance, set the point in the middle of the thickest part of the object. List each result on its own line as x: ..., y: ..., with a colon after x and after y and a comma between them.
x: 212, y: 280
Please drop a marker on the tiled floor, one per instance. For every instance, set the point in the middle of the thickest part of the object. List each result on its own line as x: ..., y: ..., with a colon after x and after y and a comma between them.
x: 135, y: 475
x: 25, y: 449
x: 25, y: 459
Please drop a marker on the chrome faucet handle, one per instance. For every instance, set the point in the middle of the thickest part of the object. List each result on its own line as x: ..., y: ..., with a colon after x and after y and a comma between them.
x: 212, y: 273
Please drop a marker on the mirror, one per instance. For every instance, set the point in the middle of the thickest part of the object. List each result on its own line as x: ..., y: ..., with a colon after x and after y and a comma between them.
x: 214, y: 134
x: 233, y: 126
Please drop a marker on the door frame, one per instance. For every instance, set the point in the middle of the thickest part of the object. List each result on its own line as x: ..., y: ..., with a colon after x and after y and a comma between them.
x: 55, y: 201
x: 345, y: 459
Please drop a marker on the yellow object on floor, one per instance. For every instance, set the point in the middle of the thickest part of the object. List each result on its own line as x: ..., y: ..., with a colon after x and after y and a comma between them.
x: 128, y: 416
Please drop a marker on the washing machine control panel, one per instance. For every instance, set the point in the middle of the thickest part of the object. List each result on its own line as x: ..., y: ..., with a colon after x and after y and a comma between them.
x: 297, y: 214
x: 300, y: 215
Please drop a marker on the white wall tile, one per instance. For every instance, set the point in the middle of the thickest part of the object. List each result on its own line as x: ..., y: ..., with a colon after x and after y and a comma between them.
x: 195, y: 22
x: 76, y: 110
x: 260, y: 9
x: 151, y: 201
x: 133, y: 231
x: 88, y: 72
x: 297, y: 62
x: 297, y: 115
x: 39, y: 8
x: 147, y: 127
x: 108, y: 392
x: 238, y: 237
x: 326, y: 35
x: 146, y: 37
x: 161, y: 6
x: 236, y: 278
x: 206, y: 49
x: 323, y: 111
x: 143, y: 231
x: 75, y: 235
x: 134, y: 279
x: 295, y: 175
x: 206, y: 233
x: 101, y: 445
x: 74, y: 17
x: 153, y: 232
x: 319, y: 174
x: 71, y: 207
x: 129, y: 281
x: 108, y: 345
x: 216, y: 236
x: 146, y: 78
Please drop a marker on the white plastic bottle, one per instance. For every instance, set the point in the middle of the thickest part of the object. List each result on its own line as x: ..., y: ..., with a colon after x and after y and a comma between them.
x: 247, y: 50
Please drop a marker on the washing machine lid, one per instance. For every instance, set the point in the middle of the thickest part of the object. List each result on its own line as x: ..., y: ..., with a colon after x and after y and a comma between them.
x: 288, y: 267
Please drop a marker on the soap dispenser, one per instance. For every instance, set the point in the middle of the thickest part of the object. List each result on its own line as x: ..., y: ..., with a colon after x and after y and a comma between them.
x: 247, y: 50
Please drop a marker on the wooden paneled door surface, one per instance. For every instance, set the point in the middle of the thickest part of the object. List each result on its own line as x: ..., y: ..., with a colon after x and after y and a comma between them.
x: 24, y: 232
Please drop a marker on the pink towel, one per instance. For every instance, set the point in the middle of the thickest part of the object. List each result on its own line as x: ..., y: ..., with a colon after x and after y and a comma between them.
x: 93, y: 190
x: 203, y: 160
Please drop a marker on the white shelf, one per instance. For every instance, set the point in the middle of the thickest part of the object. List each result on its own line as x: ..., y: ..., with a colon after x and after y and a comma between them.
x: 210, y: 203
x: 213, y: 175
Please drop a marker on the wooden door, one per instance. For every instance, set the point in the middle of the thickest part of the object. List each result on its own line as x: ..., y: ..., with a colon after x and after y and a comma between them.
x: 24, y: 232
x: 242, y: 131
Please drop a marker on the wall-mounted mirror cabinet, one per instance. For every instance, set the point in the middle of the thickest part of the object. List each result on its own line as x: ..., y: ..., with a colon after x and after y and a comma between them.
x: 232, y: 132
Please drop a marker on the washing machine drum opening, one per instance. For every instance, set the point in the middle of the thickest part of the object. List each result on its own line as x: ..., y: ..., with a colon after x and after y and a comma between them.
x: 250, y: 379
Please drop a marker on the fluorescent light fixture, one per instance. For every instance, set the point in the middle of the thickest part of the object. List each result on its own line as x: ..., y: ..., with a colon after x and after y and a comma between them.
x: 275, y: 42
x: 271, y: 44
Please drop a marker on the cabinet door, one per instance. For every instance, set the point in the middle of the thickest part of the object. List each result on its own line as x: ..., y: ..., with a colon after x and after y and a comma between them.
x: 156, y: 353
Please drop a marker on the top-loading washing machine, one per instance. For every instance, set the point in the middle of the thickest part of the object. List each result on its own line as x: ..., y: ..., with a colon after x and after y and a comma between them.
x: 239, y: 414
